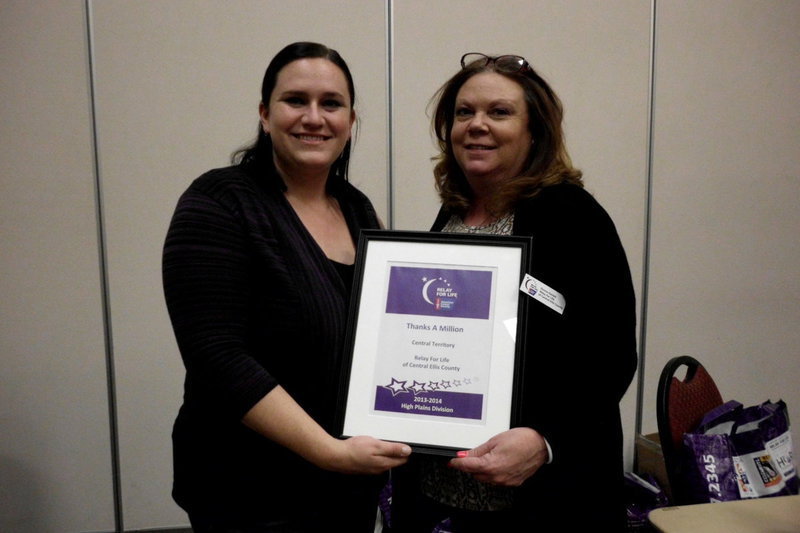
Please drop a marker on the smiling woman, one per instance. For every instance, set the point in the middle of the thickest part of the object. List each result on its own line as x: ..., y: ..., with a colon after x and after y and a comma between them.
x: 244, y: 245
x: 503, y: 169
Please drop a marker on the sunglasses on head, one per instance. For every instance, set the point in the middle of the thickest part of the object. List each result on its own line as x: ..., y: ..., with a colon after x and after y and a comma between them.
x: 505, y: 63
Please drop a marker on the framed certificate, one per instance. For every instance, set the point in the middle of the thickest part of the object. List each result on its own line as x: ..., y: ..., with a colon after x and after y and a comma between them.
x: 436, y: 329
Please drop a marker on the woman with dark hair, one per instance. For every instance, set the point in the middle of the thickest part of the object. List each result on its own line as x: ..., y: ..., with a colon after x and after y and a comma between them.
x: 503, y: 169
x: 257, y: 270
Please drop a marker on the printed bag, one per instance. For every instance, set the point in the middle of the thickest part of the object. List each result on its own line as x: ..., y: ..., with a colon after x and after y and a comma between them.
x: 738, y: 453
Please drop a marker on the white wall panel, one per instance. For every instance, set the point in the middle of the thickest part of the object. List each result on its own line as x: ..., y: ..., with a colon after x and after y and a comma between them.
x: 724, y: 283
x: 55, y: 457
x: 178, y: 87
x: 595, y: 55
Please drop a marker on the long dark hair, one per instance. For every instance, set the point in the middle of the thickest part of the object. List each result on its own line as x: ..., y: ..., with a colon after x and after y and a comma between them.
x: 258, y: 155
x: 548, y: 162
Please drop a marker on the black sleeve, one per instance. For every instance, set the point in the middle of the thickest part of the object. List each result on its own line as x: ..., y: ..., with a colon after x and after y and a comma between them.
x: 207, y: 276
x: 579, y: 364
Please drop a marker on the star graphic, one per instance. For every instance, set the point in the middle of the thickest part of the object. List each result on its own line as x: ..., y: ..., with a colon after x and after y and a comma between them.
x: 433, y: 385
x: 417, y: 387
x: 457, y: 383
x: 445, y: 384
x: 396, y: 387
x: 467, y: 381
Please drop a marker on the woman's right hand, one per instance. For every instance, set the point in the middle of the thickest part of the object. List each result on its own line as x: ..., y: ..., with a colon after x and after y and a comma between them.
x: 279, y: 418
x: 363, y: 455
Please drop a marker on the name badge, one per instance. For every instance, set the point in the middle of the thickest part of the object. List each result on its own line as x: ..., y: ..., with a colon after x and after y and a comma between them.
x: 543, y: 294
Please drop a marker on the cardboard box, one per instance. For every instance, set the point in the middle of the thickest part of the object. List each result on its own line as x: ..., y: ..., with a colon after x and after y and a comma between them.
x: 649, y: 459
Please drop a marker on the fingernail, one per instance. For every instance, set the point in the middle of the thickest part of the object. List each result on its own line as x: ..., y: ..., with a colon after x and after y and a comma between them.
x: 462, y: 453
x: 406, y: 450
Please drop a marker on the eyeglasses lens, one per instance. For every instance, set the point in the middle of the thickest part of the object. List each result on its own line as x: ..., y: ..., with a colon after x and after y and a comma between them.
x: 509, y: 63
x: 474, y: 60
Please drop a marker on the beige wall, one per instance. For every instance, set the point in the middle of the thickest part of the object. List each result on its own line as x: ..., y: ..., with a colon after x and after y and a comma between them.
x: 725, y: 248
x: 55, y: 458
x: 176, y: 88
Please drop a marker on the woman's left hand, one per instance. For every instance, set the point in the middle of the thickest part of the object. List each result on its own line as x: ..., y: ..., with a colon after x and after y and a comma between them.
x: 507, y: 459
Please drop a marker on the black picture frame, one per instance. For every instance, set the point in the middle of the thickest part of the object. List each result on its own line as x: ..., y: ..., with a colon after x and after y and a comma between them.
x: 425, y: 310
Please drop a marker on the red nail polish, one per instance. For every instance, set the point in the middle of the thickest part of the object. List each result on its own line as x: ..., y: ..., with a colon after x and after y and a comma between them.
x: 462, y: 453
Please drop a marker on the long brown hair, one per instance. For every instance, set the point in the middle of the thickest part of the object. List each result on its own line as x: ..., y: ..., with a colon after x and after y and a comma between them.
x: 548, y: 162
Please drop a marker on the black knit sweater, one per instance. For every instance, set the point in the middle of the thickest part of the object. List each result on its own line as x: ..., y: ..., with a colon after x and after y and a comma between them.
x: 254, y: 303
x: 577, y: 366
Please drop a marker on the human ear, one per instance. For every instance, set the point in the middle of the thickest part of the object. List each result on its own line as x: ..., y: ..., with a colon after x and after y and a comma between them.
x: 263, y: 113
x: 352, y: 121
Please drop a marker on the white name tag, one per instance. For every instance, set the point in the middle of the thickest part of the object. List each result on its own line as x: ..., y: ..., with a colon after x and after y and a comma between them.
x: 544, y: 294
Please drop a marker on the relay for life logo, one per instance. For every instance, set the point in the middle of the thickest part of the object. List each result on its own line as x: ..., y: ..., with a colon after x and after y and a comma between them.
x: 439, y: 291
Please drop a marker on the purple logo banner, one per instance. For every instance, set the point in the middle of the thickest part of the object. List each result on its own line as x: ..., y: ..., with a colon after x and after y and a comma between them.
x: 439, y: 403
x: 439, y: 292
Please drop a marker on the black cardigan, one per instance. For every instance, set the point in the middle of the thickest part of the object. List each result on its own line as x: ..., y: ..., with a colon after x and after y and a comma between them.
x: 577, y: 365
x: 254, y: 303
